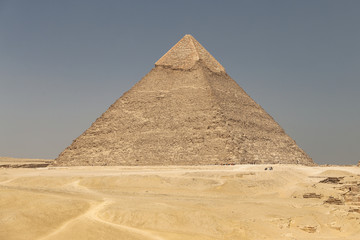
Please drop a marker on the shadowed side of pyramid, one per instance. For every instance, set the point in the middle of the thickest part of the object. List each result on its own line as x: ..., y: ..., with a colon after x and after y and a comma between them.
x: 185, y: 111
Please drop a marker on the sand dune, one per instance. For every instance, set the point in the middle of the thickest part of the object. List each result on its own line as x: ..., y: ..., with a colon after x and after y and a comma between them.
x: 207, y: 202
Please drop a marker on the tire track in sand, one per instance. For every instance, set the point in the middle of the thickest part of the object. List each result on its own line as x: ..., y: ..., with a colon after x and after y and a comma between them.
x: 92, y: 214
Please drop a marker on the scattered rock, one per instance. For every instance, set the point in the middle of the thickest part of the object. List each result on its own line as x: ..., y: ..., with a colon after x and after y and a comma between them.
x: 27, y: 165
x: 333, y: 180
x: 332, y: 200
x: 356, y: 210
x: 312, y: 195
x: 308, y: 228
x: 352, y: 198
x: 355, y: 188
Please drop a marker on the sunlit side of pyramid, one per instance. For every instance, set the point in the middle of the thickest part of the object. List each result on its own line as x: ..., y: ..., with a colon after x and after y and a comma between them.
x: 185, y: 111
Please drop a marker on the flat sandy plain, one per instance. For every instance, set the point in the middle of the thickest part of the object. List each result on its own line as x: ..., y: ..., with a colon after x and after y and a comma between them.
x: 188, y: 202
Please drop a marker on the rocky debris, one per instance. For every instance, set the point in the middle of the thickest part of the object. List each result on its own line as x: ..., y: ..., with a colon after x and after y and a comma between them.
x: 332, y: 180
x: 312, y: 195
x: 356, y: 210
x: 352, y: 196
x: 333, y: 200
x: 355, y: 187
x: 186, y: 111
x: 9, y: 162
x: 26, y: 165
x: 269, y: 168
x: 308, y: 228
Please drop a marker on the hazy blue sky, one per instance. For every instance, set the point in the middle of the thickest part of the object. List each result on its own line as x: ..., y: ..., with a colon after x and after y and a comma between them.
x: 63, y: 63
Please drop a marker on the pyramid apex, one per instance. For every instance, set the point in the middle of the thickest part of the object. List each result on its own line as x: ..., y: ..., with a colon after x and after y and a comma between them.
x: 188, y: 36
x: 185, y: 53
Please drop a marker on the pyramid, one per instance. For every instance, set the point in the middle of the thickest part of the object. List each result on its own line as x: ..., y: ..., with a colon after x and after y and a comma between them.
x: 186, y: 111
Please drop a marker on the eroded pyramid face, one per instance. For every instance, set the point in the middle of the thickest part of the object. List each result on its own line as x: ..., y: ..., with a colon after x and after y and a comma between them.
x: 185, y: 111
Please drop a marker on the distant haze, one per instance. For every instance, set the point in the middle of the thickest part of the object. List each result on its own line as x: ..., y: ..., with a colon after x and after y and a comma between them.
x: 63, y: 63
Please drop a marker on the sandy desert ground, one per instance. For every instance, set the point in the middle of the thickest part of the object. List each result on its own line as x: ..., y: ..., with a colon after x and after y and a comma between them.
x: 202, y: 202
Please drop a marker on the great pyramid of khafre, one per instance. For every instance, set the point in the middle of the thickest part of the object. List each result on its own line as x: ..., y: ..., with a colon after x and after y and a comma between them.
x: 186, y: 111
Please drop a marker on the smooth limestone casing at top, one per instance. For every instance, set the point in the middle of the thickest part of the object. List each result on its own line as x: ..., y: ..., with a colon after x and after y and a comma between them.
x: 186, y: 111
